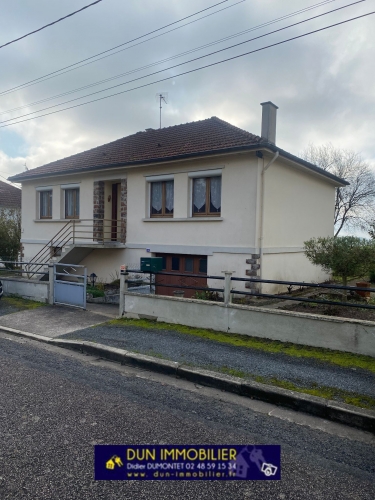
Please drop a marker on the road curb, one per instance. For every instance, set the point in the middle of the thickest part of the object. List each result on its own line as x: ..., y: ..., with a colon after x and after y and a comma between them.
x: 313, y: 405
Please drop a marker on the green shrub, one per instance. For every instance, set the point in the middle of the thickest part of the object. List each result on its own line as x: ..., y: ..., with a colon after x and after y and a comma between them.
x: 95, y: 291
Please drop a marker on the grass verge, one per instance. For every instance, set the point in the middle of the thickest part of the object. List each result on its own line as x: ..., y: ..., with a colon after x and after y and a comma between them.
x: 329, y: 393
x: 343, y: 359
x: 20, y: 303
x: 322, y: 391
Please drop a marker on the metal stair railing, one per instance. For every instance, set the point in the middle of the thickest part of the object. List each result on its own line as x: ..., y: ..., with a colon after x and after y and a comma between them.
x: 95, y: 231
x: 45, y: 254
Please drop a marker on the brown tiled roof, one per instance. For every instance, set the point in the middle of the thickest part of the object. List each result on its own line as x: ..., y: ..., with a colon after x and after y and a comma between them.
x: 152, y: 145
x: 10, y: 196
x: 180, y: 141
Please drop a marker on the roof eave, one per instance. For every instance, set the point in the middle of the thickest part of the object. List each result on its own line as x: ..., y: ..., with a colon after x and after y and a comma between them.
x: 235, y: 149
x: 310, y: 166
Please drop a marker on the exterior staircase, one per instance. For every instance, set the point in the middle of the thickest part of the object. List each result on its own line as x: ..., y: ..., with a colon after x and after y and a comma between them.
x: 73, y: 243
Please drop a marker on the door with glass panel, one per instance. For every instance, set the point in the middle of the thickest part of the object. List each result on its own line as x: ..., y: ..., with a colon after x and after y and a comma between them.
x: 184, y: 265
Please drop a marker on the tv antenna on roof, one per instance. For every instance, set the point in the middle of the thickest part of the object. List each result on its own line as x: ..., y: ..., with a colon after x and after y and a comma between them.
x: 162, y: 96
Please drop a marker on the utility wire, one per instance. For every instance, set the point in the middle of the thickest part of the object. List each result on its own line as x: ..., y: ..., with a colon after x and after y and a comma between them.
x: 196, y: 69
x: 113, y: 48
x: 287, y: 16
x: 183, y: 63
x: 50, y: 24
x: 43, y: 79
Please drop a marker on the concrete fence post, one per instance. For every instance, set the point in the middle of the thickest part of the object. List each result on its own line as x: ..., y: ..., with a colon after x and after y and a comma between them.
x: 123, y: 290
x: 227, y: 287
x: 51, y: 288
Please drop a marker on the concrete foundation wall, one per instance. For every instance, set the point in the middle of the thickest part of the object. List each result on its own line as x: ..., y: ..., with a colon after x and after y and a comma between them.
x: 307, y: 329
x: 27, y: 289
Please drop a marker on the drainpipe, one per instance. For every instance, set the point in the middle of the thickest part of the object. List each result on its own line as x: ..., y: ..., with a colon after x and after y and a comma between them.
x: 262, y: 215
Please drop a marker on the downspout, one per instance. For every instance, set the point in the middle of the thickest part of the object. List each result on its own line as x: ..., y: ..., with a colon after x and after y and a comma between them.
x: 261, y: 224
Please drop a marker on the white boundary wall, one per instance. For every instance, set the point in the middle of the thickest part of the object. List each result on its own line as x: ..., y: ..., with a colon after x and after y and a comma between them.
x: 300, y: 328
x: 27, y: 289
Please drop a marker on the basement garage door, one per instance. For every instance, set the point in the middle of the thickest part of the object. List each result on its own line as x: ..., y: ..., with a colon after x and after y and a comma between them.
x: 181, y: 264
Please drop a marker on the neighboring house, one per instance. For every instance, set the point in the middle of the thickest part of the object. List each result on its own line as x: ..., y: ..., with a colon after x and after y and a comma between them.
x: 10, y: 197
x: 207, y: 196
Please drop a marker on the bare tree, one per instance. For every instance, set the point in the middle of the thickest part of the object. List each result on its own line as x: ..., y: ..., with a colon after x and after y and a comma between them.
x: 355, y: 204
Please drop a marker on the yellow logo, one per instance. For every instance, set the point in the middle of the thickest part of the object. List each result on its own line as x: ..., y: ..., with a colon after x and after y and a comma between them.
x: 112, y: 462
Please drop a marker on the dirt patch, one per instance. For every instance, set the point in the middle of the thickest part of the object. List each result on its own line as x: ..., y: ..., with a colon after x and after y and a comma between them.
x: 328, y: 310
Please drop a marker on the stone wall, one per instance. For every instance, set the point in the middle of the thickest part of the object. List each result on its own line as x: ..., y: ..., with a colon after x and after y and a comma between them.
x: 98, y: 211
x: 124, y: 208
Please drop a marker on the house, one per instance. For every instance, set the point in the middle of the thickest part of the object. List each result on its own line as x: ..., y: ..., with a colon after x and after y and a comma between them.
x: 10, y: 197
x: 206, y: 196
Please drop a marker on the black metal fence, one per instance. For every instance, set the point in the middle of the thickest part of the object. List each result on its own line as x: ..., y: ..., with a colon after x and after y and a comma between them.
x: 256, y: 294
x: 185, y: 275
x: 303, y: 284
x: 19, y: 268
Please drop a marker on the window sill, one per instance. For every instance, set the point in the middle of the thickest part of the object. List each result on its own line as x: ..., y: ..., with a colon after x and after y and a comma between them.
x: 56, y: 220
x: 188, y: 219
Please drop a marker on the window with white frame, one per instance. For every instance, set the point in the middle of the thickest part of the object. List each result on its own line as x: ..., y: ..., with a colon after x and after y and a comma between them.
x: 162, y: 198
x: 45, y: 204
x: 206, y: 196
x: 72, y: 203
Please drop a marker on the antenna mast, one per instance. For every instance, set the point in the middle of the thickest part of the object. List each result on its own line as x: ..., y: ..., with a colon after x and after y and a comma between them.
x: 162, y: 96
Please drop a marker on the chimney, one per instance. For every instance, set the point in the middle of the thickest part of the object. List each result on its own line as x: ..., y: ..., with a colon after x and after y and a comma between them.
x: 269, y: 121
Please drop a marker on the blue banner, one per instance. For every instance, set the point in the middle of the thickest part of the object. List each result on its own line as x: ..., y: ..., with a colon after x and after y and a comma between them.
x: 187, y: 462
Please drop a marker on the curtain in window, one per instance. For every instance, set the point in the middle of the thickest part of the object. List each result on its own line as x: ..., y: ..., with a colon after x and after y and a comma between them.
x: 215, y: 194
x: 199, y: 195
x: 169, y: 197
x: 71, y: 203
x: 156, y: 197
x: 46, y: 204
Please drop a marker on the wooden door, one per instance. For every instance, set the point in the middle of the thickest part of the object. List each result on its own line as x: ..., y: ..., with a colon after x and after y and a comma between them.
x: 114, y: 212
x: 181, y: 264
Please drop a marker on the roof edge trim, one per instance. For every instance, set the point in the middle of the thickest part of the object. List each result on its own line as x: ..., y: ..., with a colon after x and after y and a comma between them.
x: 235, y: 149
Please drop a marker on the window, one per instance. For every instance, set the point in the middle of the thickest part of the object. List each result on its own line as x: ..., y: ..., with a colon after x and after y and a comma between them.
x: 71, y: 203
x: 45, y: 204
x: 162, y: 199
x: 207, y: 196
x: 189, y: 265
x: 175, y: 263
x: 203, y: 265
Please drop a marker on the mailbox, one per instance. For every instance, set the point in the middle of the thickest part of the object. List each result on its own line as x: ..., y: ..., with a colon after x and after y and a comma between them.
x: 151, y: 264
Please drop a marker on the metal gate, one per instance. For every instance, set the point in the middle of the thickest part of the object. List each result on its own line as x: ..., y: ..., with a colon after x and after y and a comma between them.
x: 69, y: 288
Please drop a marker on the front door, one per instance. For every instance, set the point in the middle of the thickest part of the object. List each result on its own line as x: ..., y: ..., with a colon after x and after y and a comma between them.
x: 181, y: 264
x: 114, y: 212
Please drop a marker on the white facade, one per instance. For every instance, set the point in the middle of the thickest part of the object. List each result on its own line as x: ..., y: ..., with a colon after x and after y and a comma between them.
x: 269, y: 214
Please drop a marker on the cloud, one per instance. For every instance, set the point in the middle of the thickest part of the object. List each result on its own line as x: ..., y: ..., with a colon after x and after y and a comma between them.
x: 321, y: 83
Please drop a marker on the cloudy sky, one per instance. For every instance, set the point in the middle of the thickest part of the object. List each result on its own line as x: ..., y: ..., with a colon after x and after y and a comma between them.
x: 322, y: 83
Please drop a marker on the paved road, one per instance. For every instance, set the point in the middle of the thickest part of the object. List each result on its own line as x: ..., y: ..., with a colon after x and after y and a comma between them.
x: 56, y: 404
x: 303, y: 372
